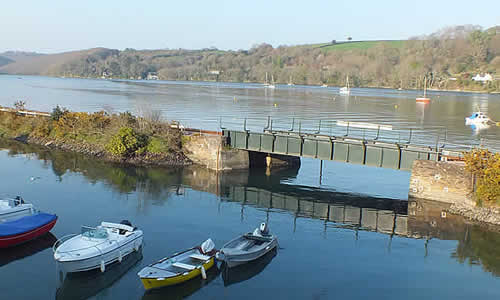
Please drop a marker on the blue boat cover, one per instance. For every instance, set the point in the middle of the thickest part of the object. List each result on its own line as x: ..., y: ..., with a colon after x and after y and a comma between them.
x: 25, y: 224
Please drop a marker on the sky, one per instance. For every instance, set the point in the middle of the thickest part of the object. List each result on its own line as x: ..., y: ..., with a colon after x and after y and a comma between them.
x: 53, y: 26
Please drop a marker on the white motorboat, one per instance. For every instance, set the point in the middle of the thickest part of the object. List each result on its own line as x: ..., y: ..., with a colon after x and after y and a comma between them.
x: 15, y: 208
x: 477, y: 118
x: 248, y: 247
x: 97, y: 247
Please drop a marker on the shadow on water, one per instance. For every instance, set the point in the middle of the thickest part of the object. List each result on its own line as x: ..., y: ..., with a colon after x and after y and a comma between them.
x: 183, y: 290
x: 244, y: 272
x: 416, y: 219
x: 9, y: 255
x: 83, y: 285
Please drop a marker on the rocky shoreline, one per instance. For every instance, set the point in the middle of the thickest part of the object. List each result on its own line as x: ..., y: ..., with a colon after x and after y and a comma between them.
x: 485, y: 215
x: 148, y: 159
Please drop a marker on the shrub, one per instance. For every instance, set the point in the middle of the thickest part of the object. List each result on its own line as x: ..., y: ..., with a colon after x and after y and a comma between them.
x: 125, y: 142
x: 157, y: 145
x: 485, y: 166
x: 58, y: 112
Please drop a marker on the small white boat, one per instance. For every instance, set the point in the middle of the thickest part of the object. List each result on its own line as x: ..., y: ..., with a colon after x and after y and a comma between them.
x: 477, y: 118
x: 346, y: 90
x: 324, y: 85
x: 248, y: 247
x: 271, y: 85
x: 97, y: 247
x: 15, y: 208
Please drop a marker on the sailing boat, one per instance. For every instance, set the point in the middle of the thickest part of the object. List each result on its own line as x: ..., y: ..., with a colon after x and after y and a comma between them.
x: 271, y: 85
x: 290, y: 82
x: 346, y: 90
x: 424, y: 99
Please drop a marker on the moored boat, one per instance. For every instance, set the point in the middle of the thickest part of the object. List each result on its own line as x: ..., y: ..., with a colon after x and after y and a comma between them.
x: 179, y: 267
x: 14, y: 208
x: 97, y: 247
x: 248, y: 247
x: 26, y: 228
x: 477, y: 118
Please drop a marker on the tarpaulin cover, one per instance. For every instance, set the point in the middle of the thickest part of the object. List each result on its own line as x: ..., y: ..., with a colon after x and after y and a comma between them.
x: 25, y: 224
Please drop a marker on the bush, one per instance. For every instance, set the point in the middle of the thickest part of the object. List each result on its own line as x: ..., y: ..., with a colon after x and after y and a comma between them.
x: 485, y: 166
x: 58, y: 112
x: 157, y: 145
x: 125, y: 142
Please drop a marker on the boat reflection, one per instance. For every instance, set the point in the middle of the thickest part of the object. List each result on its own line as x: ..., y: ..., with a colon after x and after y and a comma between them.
x: 244, y: 272
x: 182, y: 290
x: 11, y: 254
x: 83, y: 285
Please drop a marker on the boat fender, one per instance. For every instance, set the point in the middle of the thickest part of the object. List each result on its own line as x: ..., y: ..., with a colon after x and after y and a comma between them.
x: 203, y: 273
x: 120, y: 257
x: 103, y: 266
x: 136, y: 248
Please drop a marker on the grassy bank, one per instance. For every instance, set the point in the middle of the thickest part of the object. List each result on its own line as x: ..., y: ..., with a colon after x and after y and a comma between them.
x: 116, y: 137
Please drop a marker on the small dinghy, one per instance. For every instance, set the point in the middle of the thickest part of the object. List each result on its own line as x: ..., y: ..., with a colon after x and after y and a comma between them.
x: 248, y: 247
x: 179, y: 267
x: 97, y: 247
x: 14, y: 208
x: 477, y: 118
x: 25, y: 229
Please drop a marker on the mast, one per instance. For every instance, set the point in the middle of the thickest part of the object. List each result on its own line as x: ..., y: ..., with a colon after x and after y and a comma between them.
x: 425, y: 86
x: 348, y: 82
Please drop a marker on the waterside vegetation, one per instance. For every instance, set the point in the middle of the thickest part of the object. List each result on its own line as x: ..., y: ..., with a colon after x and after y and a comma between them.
x: 485, y: 167
x: 117, y: 137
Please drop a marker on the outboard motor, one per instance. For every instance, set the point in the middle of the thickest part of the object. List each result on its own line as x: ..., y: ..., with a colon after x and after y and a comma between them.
x: 207, y: 247
x: 263, y: 230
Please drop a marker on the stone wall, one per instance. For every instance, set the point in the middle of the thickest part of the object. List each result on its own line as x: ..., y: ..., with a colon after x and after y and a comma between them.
x: 446, y: 182
x: 209, y: 151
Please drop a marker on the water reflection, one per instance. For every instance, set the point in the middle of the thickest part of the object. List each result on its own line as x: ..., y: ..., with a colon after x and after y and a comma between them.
x: 30, y: 248
x: 246, y: 271
x: 414, y: 219
x: 83, y: 285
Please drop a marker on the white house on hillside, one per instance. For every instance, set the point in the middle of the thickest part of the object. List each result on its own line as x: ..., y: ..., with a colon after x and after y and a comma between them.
x: 486, y: 77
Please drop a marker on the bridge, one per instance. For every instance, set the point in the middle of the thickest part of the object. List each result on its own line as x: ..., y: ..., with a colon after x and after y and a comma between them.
x: 351, y: 142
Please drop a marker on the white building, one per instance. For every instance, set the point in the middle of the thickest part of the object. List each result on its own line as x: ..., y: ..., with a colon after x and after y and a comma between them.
x: 486, y: 77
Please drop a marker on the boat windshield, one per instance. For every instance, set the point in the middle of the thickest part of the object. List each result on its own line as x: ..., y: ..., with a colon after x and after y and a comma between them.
x: 96, y: 233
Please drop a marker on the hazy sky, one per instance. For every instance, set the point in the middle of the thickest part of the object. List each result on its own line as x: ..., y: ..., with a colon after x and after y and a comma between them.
x: 61, y: 25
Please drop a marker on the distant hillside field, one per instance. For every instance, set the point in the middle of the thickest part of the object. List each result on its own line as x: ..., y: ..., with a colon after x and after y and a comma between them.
x: 446, y: 59
x: 5, y: 60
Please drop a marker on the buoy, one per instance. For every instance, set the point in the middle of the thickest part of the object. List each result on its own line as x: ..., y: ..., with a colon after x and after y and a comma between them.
x: 203, y: 273
x: 275, y: 104
x: 103, y: 266
x: 120, y: 256
x: 396, y: 106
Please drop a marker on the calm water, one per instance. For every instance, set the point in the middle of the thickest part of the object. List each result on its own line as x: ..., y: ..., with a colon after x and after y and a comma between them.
x: 351, y: 236
x: 201, y: 105
x: 334, y: 242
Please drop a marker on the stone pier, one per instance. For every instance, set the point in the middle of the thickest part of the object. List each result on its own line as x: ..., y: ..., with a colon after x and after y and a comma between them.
x: 446, y: 182
x: 212, y: 151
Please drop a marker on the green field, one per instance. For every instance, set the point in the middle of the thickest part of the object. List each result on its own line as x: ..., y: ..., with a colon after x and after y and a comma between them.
x: 359, y: 45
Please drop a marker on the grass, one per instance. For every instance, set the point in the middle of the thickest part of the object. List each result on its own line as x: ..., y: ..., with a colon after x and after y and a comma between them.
x: 363, y: 45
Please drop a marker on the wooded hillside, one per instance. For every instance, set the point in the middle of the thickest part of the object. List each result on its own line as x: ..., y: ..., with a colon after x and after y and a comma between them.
x: 448, y: 58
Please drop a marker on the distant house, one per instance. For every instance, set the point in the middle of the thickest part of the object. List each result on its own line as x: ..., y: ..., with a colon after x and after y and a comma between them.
x: 480, y: 78
x: 105, y: 75
x: 152, y: 76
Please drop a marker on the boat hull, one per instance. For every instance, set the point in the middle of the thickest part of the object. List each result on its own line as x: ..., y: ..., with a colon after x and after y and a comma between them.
x: 236, y: 259
x: 13, y: 240
x: 95, y: 262
x: 155, y: 283
x: 423, y: 100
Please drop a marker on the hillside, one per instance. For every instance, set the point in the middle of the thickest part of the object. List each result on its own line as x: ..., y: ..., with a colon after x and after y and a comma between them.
x: 5, y: 60
x: 447, y: 58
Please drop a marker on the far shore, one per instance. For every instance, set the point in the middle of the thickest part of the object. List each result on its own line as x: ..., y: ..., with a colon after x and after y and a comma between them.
x: 252, y: 82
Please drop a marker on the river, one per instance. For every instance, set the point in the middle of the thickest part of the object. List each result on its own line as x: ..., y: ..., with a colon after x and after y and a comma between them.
x: 354, y: 235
